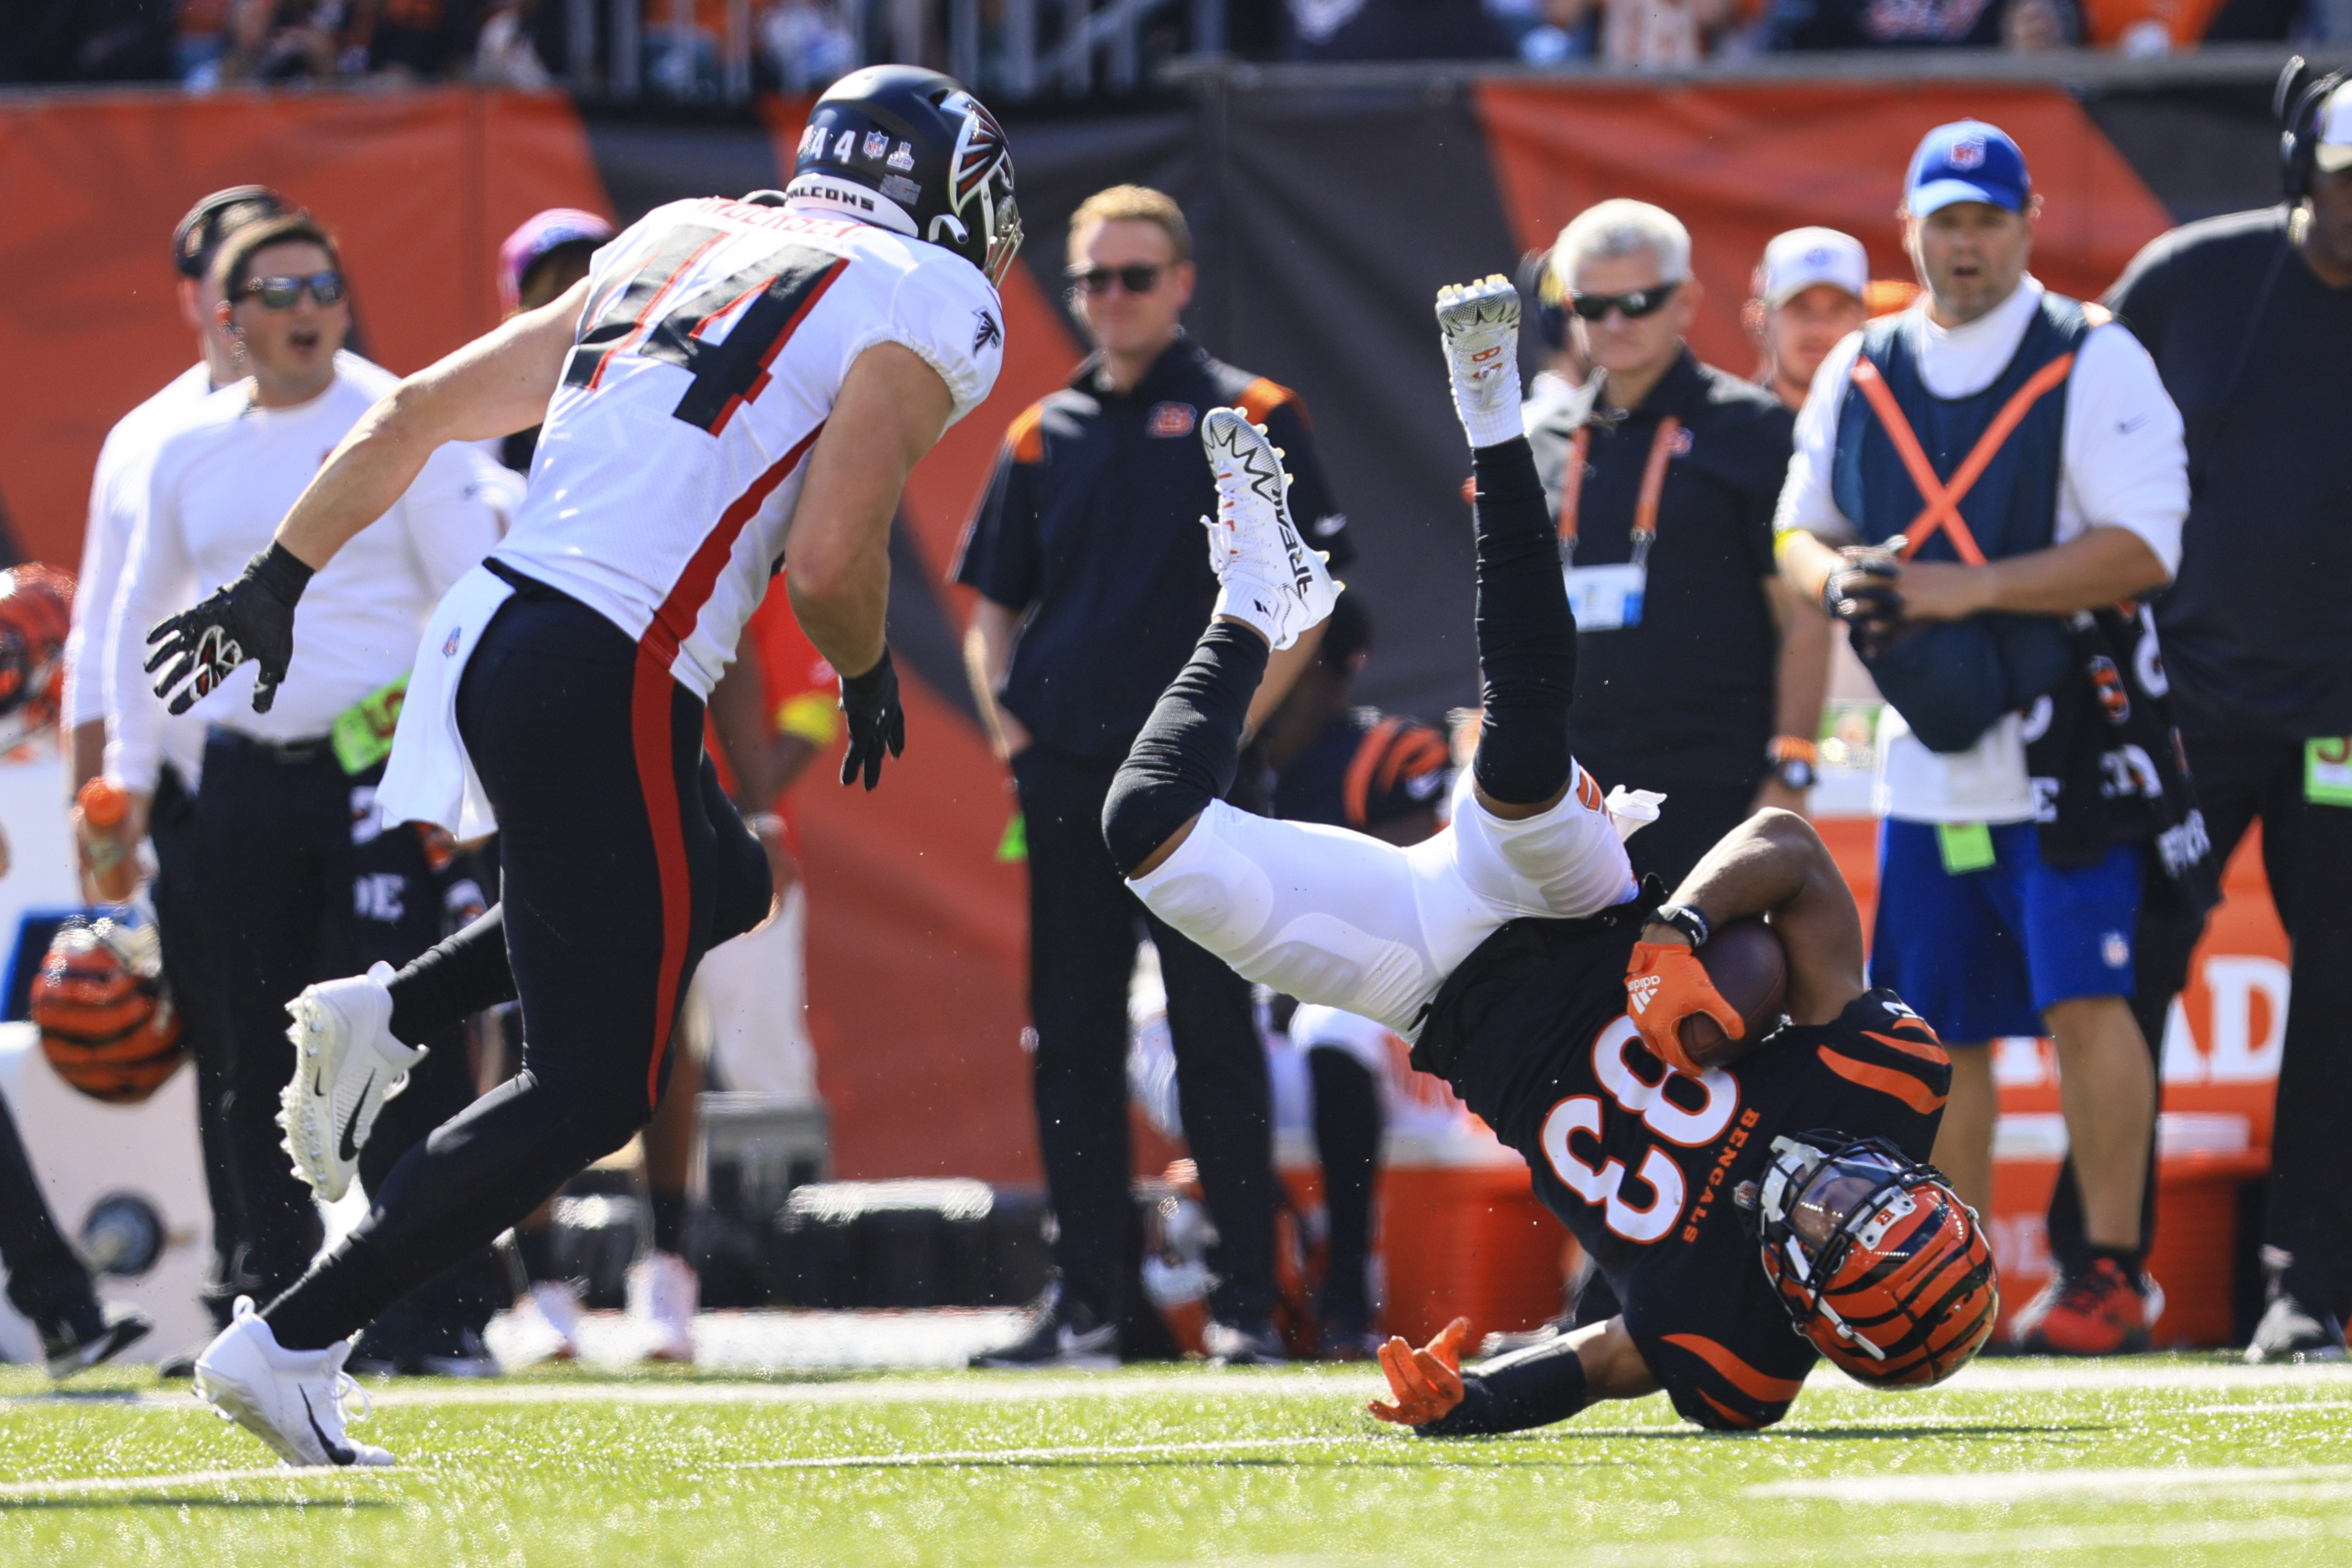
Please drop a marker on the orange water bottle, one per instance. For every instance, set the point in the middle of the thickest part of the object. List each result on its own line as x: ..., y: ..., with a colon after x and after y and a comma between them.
x: 105, y: 811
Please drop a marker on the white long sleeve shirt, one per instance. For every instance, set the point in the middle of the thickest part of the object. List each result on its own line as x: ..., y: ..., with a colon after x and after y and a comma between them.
x: 118, y: 492
x: 220, y: 482
x: 2123, y: 465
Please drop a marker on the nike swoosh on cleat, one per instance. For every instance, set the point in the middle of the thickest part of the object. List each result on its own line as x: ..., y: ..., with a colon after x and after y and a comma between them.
x: 335, y: 1450
x: 348, y: 1151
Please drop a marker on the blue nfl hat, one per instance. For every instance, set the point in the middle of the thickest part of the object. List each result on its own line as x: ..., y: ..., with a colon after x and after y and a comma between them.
x: 1967, y: 161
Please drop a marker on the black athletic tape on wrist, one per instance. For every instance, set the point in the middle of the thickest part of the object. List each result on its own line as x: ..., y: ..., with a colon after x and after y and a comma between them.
x: 1688, y: 920
x: 871, y: 682
x: 282, y: 573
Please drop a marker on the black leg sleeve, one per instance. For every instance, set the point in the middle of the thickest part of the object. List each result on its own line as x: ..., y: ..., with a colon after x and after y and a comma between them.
x: 1191, y: 747
x: 453, y: 979
x: 1533, y: 1388
x: 1526, y: 634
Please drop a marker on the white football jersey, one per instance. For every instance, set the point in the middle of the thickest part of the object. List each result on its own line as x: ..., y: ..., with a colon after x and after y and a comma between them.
x: 715, y: 339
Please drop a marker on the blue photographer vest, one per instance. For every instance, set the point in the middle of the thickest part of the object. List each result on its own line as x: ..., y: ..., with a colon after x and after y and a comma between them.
x: 1961, y: 478
x: 2010, y: 508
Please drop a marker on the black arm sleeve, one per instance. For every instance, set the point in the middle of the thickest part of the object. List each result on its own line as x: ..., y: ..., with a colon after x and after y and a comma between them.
x: 1533, y: 1388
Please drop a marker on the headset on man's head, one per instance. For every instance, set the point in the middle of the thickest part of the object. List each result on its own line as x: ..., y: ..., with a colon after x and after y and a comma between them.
x: 2295, y: 105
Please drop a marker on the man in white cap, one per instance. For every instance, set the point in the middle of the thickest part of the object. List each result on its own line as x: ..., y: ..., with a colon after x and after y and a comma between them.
x: 1809, y: 289
x: 2249, y: 318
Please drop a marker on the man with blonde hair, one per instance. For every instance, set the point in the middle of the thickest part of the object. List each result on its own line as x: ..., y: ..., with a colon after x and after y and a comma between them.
x: 1086, y: 554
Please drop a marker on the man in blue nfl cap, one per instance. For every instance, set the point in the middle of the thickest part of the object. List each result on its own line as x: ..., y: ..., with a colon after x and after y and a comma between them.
x: 1970, y: 477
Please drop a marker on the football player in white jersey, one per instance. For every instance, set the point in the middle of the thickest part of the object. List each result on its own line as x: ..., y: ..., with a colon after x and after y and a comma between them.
x: 737, y: 384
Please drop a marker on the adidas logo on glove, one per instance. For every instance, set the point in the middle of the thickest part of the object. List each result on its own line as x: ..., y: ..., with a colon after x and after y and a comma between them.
x: 1639, y: 990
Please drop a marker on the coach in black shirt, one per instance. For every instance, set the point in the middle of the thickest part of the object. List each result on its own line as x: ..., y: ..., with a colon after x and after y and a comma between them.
x: 1094, y: 581
x: 2249, y: 318
x: 1663, y: 485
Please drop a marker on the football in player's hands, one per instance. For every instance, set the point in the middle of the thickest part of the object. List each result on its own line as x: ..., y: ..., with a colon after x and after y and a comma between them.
x: 1750, y: 970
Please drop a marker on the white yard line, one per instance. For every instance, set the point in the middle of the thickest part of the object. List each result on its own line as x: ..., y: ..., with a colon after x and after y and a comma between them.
x: 2266, y: 1407
x: 1012, y: 1388
x: 2018, y: 1485
x: 81, y: 1485
x: 2009, y: 1377
x: 1027, y: 1456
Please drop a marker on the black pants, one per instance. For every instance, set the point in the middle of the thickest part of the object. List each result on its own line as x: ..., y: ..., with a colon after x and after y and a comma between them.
x: 621, y: 863
x: 2307, y: 854
x: 46, y: 1281
x: 180, y: 923
x: 294, y: 884
x: 1083, y: 927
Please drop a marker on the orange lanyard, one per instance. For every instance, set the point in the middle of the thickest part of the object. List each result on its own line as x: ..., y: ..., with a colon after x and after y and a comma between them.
x: 1645, y: 509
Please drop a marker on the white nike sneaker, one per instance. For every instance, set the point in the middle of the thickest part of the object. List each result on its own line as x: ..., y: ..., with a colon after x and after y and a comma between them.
x: 1267, y: 576
x: 663, y: 1293
x: 1479, y: 324
x: 346, y: 1066
x: 292, y: 1400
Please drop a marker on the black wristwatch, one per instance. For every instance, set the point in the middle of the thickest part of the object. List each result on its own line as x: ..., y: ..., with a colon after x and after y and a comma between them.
x: 1792, y: 758
x: 1686, y: 919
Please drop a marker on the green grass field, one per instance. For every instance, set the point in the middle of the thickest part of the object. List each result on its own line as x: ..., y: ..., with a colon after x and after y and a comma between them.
x: 2160, y: 1461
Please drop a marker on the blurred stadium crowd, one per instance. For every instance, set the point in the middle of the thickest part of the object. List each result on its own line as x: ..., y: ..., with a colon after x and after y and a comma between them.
x: 687, y: 45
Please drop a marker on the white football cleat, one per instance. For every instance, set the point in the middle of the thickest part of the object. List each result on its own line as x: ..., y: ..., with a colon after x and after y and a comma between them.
x: 663, y: 1294
x: 346, y: 1065
x: 1479, y: 324
x: 292, y: 1400
x: 1267, y: 576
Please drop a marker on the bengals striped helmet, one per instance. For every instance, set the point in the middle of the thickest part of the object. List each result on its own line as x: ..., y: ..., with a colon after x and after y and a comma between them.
x: 1876, y: 1259
x: 107, y: 1025
x: 36, y: 613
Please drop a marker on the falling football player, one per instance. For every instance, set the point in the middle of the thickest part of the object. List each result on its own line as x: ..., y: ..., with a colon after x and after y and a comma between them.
x: 736, y: 384
x: 1749, y: 1183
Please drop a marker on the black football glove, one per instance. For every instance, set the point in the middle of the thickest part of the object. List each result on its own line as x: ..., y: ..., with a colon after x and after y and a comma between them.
x: 251, y: 618
x: 870, y: 704
x: 1862, y: 594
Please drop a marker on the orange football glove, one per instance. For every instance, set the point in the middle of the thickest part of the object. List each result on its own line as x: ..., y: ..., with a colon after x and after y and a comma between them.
x: 1664, y: 984
x: 1426, y: 1383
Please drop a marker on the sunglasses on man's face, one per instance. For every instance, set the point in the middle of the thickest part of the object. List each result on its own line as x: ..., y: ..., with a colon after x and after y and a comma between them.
x: 1098, y: 279
x: 1633, y: 305
x: 280, y: 294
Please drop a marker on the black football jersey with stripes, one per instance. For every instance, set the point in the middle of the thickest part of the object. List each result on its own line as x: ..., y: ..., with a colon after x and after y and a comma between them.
x: 1641, y: 1162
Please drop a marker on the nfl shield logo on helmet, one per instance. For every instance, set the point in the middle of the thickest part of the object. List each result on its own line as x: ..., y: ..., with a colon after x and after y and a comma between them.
x: 1968, y: 153
x: 878, y: 142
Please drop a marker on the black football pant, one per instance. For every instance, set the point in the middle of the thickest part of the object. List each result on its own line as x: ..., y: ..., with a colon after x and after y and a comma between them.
x: 621, y: 863
x: 46, y: 1281
x: 294, y: 883
x: 1083, y: 922
x: 2307, y: 854
x: 181, y: 922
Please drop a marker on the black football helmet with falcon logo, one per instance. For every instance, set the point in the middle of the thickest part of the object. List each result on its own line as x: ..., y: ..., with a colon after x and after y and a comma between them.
x: 910, y: 149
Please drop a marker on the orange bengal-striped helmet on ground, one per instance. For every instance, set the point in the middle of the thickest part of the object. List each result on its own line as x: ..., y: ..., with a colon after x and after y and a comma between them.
x: 106, y: 1023
x: 36, y: 613
x: 1876, y: 1259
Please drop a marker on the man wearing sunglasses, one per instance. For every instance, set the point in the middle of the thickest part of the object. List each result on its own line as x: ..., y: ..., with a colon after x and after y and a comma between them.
x: 1662, y: 477
x: 1093, y: 586
x: 117, y: 495
x: 289, y: 881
